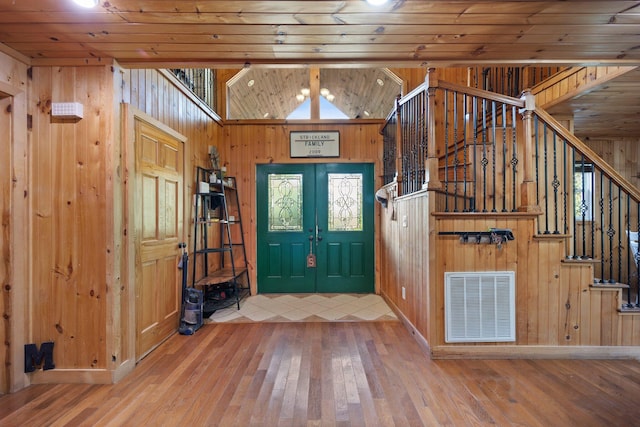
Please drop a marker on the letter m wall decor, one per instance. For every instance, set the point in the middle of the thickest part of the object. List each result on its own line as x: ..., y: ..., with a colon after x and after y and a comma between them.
x: 34, y: 358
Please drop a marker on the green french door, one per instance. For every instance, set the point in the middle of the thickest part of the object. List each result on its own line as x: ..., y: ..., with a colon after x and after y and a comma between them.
x: 315, y: 228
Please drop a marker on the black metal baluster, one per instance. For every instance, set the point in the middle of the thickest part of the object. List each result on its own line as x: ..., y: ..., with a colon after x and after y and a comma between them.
x: 455, y: 152
x: 638, y: 259
x: 546, y: 180
x: 583, y: 207
x: 514, y: 158
x: 537, y: 162
x: 446, y: 150
x: 504, y: 157
x: 629, y: 304
x: 601, y: 203
x: 611, y: 232
x: 565, y: 191
x: 484, y: 160
x: 474, y: 204
x: 493, y: 153
x: 619, y: 278
x: 574, y: 238
x: 465, y: 153
x: 555, y: 183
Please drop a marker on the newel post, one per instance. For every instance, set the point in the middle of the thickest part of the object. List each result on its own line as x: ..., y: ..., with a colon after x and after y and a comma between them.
x: 431, y: 175
x: 528, y: 187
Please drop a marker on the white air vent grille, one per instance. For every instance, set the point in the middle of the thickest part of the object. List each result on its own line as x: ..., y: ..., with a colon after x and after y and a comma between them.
x: 480, y: 306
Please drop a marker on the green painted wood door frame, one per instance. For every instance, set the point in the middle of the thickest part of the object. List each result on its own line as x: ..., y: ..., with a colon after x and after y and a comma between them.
x: 345, y: 260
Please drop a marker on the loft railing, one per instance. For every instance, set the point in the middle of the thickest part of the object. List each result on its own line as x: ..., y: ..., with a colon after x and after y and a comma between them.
x: 479, y: 156
x: 510, y: 81
x: 200, y: 81
x: 500, y: 154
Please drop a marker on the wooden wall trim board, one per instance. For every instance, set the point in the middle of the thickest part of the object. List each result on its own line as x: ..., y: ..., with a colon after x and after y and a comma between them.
x: 71, y: 376
x: 23, y: 59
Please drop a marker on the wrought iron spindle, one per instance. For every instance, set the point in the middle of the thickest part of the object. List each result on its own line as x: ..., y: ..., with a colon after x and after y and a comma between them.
x: 546, y: 180
x: 556, y: 184
x: 475, y: 154
x: 493, y: 153
x: 573, y: 204
x: 446, y: 151
x: 629, y: 304
x: 465, y: 153
x: 611, y: 232
x: 619, y: 278
x: 536, y: 139
x: 455, y: 152
x: 601, y: 203
x: 484, y: 160
x: 638, y: 259
x: 583, y: 205
x: 565, y: 179
x: 514, y: 158
x: 504, y: 157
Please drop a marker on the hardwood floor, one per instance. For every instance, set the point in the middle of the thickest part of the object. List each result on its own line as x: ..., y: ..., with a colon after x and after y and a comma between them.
x: 334, y: 374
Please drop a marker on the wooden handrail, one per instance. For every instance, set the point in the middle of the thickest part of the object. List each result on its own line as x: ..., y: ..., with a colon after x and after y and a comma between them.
x: 480, y: 93
x: 591, y: 155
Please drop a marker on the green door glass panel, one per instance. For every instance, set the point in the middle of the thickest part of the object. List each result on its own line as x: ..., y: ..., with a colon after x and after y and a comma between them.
x: 345, y: 202
x: 285, y: 202
x: 323, y: 209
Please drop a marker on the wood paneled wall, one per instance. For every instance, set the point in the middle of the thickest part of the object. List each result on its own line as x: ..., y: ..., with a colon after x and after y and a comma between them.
x: 76, y: 220
x: 555, y: 303
x: 70, y: 215
x: 249, y: 144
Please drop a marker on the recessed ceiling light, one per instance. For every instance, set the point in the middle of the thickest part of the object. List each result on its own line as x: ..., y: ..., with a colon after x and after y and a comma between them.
x: 305, y: 91
x: 330, y: 97
x: 265, y: 115
x: 251, y: 82
x: 376, y: 2
x: 324, y: 91
x: 86, y: 3
x: 300, y: 97
x: 366, y: 113
x: 380, y: 82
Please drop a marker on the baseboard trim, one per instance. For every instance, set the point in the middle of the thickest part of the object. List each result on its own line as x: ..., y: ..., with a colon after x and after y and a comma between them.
x: 534, y: 352
x: 421, y: 340
x: 71, y: 376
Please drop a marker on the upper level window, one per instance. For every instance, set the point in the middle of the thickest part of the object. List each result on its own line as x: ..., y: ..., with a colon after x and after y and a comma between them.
x: 287, y: 93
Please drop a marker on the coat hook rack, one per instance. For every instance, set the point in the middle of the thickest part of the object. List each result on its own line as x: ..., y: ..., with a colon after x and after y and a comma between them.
x: 496, y: 236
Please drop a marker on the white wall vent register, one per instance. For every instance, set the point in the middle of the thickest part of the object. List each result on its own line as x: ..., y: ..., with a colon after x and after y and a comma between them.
x: 480, y: 306
x: 66, y: 110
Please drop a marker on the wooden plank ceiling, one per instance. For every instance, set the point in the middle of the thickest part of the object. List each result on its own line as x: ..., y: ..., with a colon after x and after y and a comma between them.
x: 333, y: 33
x: 402, y: 32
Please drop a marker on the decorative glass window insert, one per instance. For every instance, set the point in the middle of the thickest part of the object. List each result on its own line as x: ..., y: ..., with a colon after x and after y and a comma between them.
x: 285, y: 202
x: 583, y: 190
x: 345, y: 202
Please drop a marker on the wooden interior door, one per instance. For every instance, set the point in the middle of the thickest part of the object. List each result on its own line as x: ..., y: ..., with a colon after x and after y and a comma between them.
x: 159, y: 216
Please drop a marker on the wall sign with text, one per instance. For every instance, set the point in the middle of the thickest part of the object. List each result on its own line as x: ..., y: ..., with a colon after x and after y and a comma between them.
x: 315, y: 144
